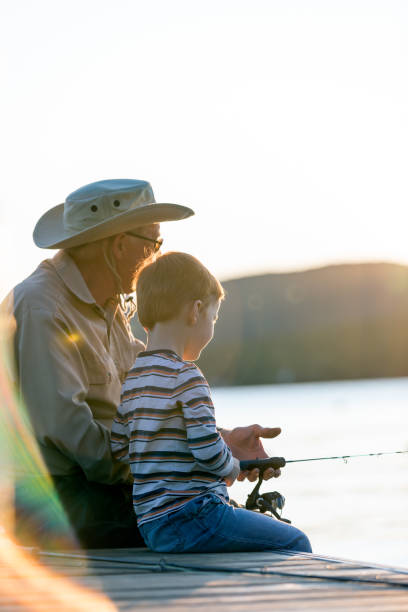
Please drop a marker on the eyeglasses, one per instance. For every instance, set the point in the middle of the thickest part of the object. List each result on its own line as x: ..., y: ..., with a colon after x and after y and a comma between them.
x: 157, y: 243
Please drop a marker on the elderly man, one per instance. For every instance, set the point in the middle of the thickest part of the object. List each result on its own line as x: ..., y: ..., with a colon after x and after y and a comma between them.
x: 73, y: 347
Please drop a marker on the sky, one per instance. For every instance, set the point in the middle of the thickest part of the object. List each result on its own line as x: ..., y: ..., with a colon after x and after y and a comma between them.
x: 283, y: 124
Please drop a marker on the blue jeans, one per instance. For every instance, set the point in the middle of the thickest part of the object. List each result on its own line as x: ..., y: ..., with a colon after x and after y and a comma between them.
x: 208, y: 524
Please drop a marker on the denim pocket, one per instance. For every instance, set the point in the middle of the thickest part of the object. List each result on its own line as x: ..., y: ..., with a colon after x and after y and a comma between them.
x: 201, y: 505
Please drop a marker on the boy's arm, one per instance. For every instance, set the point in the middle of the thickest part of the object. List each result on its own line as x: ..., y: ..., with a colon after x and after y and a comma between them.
x: 205, y: 442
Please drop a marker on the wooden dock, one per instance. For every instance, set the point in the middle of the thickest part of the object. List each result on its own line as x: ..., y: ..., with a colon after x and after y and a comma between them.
x: 137, y: 579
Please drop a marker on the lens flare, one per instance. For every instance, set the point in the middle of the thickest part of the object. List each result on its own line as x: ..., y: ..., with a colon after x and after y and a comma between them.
x: 30, y: 512
x: 38, y: 515
x: 25, y: 583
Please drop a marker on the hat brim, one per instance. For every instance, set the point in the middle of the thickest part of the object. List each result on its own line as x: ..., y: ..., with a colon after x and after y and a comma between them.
x: 49, y: 232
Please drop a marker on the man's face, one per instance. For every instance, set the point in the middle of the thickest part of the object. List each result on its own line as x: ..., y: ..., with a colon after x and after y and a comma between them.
x: 135, y: 252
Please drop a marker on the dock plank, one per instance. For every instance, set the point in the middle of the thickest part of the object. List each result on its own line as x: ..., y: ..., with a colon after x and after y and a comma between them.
x: 258, y: 582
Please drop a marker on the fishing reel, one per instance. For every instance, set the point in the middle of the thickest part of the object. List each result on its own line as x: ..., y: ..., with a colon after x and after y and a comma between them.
x: 272, y: 502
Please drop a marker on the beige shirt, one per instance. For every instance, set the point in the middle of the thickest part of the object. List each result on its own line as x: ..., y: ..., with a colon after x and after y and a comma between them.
x: 72, y: 357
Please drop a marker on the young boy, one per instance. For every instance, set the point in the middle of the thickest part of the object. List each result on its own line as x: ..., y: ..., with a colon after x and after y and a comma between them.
x: 165, y: 425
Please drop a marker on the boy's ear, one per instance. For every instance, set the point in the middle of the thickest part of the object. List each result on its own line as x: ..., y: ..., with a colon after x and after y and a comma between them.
x: 194, y: 312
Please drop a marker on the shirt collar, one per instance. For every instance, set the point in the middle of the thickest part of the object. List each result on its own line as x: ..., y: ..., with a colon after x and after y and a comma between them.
x: 69, y: 273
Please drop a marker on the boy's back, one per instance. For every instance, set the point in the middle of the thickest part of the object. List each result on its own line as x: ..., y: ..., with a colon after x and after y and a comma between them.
x: 165, y: 427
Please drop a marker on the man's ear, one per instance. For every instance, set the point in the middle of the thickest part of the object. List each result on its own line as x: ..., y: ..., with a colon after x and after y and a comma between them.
x: 194, y: 311
x: 118, y: 245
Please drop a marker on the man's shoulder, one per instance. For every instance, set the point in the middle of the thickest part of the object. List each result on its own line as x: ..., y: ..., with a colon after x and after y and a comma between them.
x: 36, y: 292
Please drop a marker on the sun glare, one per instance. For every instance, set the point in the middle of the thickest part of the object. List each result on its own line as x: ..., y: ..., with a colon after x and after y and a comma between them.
x: 24, y: 581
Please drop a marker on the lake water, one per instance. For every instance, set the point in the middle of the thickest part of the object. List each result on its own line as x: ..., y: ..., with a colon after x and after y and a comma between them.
x: 358, y: 509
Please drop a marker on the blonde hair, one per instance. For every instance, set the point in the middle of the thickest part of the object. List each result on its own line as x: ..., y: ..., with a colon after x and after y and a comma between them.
x: 164, y: 286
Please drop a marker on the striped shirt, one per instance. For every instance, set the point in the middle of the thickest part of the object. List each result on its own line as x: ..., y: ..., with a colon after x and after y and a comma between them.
x: 165, y: 429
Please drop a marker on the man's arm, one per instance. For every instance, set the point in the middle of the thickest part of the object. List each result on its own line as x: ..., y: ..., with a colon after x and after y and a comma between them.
x: 53, y: 382
x: 119, y: 438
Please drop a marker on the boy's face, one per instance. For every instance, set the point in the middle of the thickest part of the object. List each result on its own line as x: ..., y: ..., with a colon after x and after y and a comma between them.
x: 202, y: 329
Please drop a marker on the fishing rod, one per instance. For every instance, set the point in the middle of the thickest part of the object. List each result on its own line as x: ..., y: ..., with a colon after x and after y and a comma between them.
x: 278, y: 462
x: 275, y: 501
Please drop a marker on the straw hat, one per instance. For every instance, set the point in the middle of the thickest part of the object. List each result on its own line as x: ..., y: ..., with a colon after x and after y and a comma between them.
x: 103, y: 209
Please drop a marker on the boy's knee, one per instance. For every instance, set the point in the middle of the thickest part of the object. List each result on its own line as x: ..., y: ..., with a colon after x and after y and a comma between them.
x: 303, y: 543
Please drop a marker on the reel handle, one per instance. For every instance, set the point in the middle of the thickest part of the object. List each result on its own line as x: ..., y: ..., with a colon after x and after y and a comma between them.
x: 262, y: 464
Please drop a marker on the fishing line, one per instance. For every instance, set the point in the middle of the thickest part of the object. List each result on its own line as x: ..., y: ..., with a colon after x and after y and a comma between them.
x: 347, y: 456
x: 278, y: 462
x: 273, y: 502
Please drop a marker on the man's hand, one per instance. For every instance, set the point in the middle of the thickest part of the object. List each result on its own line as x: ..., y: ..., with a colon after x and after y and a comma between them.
x: 245, y: 443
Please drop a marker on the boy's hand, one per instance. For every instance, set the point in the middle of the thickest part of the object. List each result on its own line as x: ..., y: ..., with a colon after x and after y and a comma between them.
x: 245, y: 443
